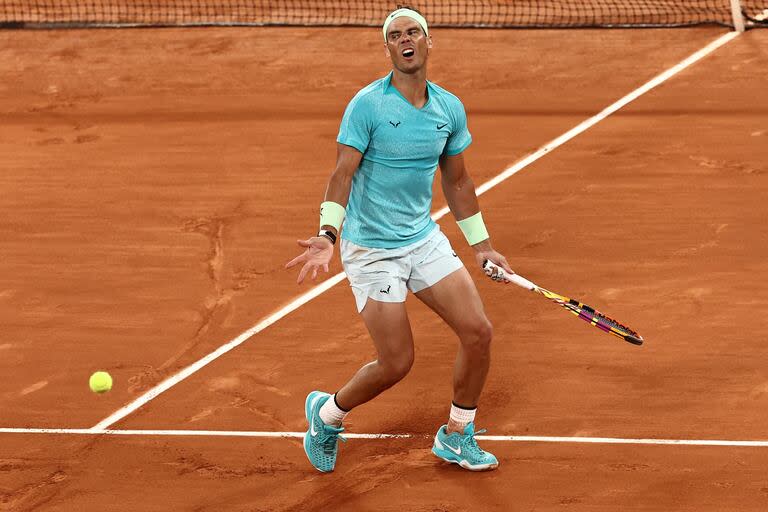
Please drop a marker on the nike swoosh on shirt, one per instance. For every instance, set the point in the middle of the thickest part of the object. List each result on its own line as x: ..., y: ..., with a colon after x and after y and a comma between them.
x: 440, y: 127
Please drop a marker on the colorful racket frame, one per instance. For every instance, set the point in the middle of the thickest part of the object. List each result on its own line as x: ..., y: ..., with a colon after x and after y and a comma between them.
x: 594, y: 317
x: 581, y: 310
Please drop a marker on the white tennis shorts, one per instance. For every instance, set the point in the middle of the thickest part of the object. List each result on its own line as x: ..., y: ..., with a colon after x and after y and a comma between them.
x: 386, y: 275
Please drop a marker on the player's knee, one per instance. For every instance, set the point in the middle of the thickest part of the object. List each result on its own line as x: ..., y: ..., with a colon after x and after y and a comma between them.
x: 396, y: 368
x: 478, y: 335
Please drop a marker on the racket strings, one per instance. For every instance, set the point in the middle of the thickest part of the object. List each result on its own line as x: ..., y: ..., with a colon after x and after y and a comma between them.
x: 597, y: 319
x: 613, y: 323
x: 591, y: 315
x: 610, y: 322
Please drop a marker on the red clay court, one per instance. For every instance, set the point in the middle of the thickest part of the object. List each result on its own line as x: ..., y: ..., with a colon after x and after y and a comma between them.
x: 154, y: 181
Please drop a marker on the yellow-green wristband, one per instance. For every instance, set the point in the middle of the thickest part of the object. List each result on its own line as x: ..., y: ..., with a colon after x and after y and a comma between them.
x: 332, y: 214
x: 474, y: 229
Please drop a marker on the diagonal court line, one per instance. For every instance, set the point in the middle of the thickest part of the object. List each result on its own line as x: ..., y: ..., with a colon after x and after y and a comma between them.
x: 329, y: 283
x: 589, y: 123
x: 189, y: 370
x: 299, y: 435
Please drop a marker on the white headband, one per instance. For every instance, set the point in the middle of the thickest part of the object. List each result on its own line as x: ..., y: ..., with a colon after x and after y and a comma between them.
x: 407, y: 13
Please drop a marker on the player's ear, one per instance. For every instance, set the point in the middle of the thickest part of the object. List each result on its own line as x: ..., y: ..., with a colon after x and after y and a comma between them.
x: 386, y: 50
x: 429, y: 42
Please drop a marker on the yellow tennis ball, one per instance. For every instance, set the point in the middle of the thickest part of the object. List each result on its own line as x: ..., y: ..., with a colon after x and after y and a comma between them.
x: 100, y: 382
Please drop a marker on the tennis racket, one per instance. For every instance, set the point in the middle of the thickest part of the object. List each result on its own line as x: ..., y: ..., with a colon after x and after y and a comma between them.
x: 579, y: 309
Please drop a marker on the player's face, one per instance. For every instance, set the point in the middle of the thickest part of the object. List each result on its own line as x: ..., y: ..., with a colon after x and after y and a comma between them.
x: 407, y: 45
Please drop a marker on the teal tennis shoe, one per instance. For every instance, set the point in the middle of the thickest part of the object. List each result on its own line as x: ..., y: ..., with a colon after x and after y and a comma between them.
x: 462, y: 449
x: 321, y: 440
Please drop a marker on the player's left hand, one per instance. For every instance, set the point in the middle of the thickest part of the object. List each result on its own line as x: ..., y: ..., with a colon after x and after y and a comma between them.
x: 497, y: 259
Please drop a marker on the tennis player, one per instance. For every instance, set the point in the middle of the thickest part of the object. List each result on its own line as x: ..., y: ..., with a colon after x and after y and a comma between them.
x: 393, y: 134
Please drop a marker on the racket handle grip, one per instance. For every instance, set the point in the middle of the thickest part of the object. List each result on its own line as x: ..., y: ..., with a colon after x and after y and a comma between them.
x: 488, y: 267
x: 521, y: 281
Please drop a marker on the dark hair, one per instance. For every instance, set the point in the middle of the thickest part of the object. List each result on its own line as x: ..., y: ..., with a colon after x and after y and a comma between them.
x: 405, y: 6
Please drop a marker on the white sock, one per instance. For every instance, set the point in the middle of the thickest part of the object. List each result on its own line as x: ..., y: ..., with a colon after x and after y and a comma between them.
x: 331, y: 413
x: 460, y: 418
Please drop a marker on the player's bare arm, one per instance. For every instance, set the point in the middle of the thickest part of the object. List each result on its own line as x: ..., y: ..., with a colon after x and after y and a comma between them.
x: 459, y: 191
x: 319, y: 249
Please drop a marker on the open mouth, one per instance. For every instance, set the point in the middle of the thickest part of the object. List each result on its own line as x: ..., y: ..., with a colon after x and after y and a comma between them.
x: 408, y: 53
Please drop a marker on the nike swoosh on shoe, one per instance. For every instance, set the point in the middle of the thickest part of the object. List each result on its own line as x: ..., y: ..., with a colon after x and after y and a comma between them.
x: 454, y: 450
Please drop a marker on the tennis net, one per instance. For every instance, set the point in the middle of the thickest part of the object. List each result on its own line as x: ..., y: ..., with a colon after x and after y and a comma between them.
x: 450, y: 13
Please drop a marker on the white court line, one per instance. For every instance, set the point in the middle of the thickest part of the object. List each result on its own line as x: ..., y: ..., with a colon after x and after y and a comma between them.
x: 589, y: 123
x: 326, y: 285
x: 182, y: 433
x: 514, y: 439
x: 189, y: 370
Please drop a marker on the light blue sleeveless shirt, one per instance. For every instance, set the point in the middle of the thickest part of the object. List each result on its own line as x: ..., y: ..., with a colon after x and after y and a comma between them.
x: 391, y: 198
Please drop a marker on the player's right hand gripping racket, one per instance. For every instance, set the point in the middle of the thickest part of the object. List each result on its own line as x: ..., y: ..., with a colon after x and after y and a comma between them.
x: 579, y: 309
